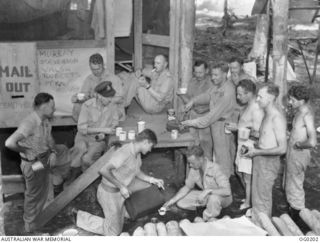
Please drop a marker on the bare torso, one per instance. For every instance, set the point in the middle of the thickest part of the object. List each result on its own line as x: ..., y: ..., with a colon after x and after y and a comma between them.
x: 299, y: 129
x: 267, y: 137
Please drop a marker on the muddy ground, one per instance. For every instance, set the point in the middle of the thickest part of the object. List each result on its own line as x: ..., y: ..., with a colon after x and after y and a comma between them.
x: 210, y: 45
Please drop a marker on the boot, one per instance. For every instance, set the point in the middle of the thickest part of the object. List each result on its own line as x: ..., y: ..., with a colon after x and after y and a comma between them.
x: 57, y: 189
x: 74, y: 173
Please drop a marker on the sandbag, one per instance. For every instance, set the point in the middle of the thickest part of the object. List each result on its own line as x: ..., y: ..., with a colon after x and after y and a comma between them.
x: 144, y: 202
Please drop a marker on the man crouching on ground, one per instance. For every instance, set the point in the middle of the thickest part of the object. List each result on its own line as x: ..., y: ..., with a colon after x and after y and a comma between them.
x: 121, y: 176
x: 215, y: 192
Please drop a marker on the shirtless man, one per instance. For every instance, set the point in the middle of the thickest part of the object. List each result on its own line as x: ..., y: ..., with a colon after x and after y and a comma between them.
x: 266, y: 157
x: 250, y: 117
x: 302, y: 138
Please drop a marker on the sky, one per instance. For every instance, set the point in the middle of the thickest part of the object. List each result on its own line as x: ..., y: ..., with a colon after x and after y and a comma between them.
x: 215, y: 7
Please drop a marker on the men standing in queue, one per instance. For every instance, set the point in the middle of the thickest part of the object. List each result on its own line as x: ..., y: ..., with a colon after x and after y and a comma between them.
x: 200, y: 84
x: 237, y: 73
x: 215, y: 192
x: 156, y: 96
x: 98, y: 118
x: 302, y: 138
x: 40, y: 156
x: 222, y: 100
x: 250, y: 118
x: 266, y: 156
x: 99, y: 74
x: 118, y: 177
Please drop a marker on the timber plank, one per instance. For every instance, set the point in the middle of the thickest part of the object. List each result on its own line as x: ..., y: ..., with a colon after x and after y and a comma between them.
x: 73, y: 190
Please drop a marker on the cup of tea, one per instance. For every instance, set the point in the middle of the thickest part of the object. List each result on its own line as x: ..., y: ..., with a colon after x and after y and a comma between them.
x: 182, y: 90
x: 123, y: 136
x: 131, y: 134
x: 141, y: 126
x: 80, y: 96
x: 244, y: 133
x: 118, y: 130
x: 174, y: 134
x: 162, y: 211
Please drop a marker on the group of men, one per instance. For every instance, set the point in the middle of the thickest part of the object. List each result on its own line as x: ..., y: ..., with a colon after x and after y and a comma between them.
x: 220, y: 105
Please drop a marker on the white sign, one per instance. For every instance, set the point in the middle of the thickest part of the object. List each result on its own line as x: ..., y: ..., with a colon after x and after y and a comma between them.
x: 62, y: 72
x: 18, y: 82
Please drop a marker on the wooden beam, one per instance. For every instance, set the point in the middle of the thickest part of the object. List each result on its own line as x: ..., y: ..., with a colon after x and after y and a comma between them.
x: 109, y: 41
x: 137, y: 23
x: 280, y: 45
x: 70, y: 44
x: 187, y: 40
x: 174, y: 51
x: 156, y: 40
x: 73, y: 190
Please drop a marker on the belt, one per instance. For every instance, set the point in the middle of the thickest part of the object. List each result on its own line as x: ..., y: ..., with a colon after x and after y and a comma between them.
x: 28, y: 160
x: 109, y: 188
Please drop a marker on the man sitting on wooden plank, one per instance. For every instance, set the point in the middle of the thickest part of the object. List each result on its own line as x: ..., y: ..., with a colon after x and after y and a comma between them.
x: 199, y: 84
x: 215, y: 192
x: 121, y: 176
x: 99, y: 74
x: 156, y: 96
x: 40, y: 156
x: 302, y: 139
x: 98, y: 118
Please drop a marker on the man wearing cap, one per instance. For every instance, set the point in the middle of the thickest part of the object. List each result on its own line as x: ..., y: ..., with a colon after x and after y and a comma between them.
x: 156, y: 96
x: 98, y: 117
x: 99, y: 74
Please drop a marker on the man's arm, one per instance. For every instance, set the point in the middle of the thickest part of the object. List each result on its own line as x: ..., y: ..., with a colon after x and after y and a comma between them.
x: 180, y: 194
x: 224, y: 104
x: 117, y: 85
x: 257, y: 117
x: 311, y: 142
x: 166, y: 87
x: 13, y: 142
x: 279, y: 129
x: 142, y: 176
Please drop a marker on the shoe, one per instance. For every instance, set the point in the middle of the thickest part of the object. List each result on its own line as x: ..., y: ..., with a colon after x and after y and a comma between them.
x: 57, y: 189
x: 244, y: 206
x: 73, y: 212
x: 249, y: 213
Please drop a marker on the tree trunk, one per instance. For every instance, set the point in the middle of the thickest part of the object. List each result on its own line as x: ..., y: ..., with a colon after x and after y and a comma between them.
x: 259, y: 48
x: 280, y: 45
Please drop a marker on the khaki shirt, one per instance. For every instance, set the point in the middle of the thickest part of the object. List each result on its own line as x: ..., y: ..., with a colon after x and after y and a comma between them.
x: 163, y: 85
x: 37, y: 135
x: 196, y: 88
x: 92, y: 81
x: 95, y: 116
x: 222, y: 104
x: 212, y: 178
x: 127, y: 165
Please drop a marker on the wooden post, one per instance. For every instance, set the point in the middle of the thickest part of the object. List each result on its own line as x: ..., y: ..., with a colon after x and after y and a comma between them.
x: 137, y: 22
x: 187, y: 40
x: 280, y: 45
x: 109, y: 12
x: 174, y: 49
x: 259, y: 48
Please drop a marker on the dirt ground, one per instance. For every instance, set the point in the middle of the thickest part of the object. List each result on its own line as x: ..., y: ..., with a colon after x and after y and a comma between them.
x: 210, y: 45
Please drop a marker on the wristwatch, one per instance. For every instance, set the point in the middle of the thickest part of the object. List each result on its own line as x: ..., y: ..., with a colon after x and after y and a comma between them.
x: 148, y: 87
